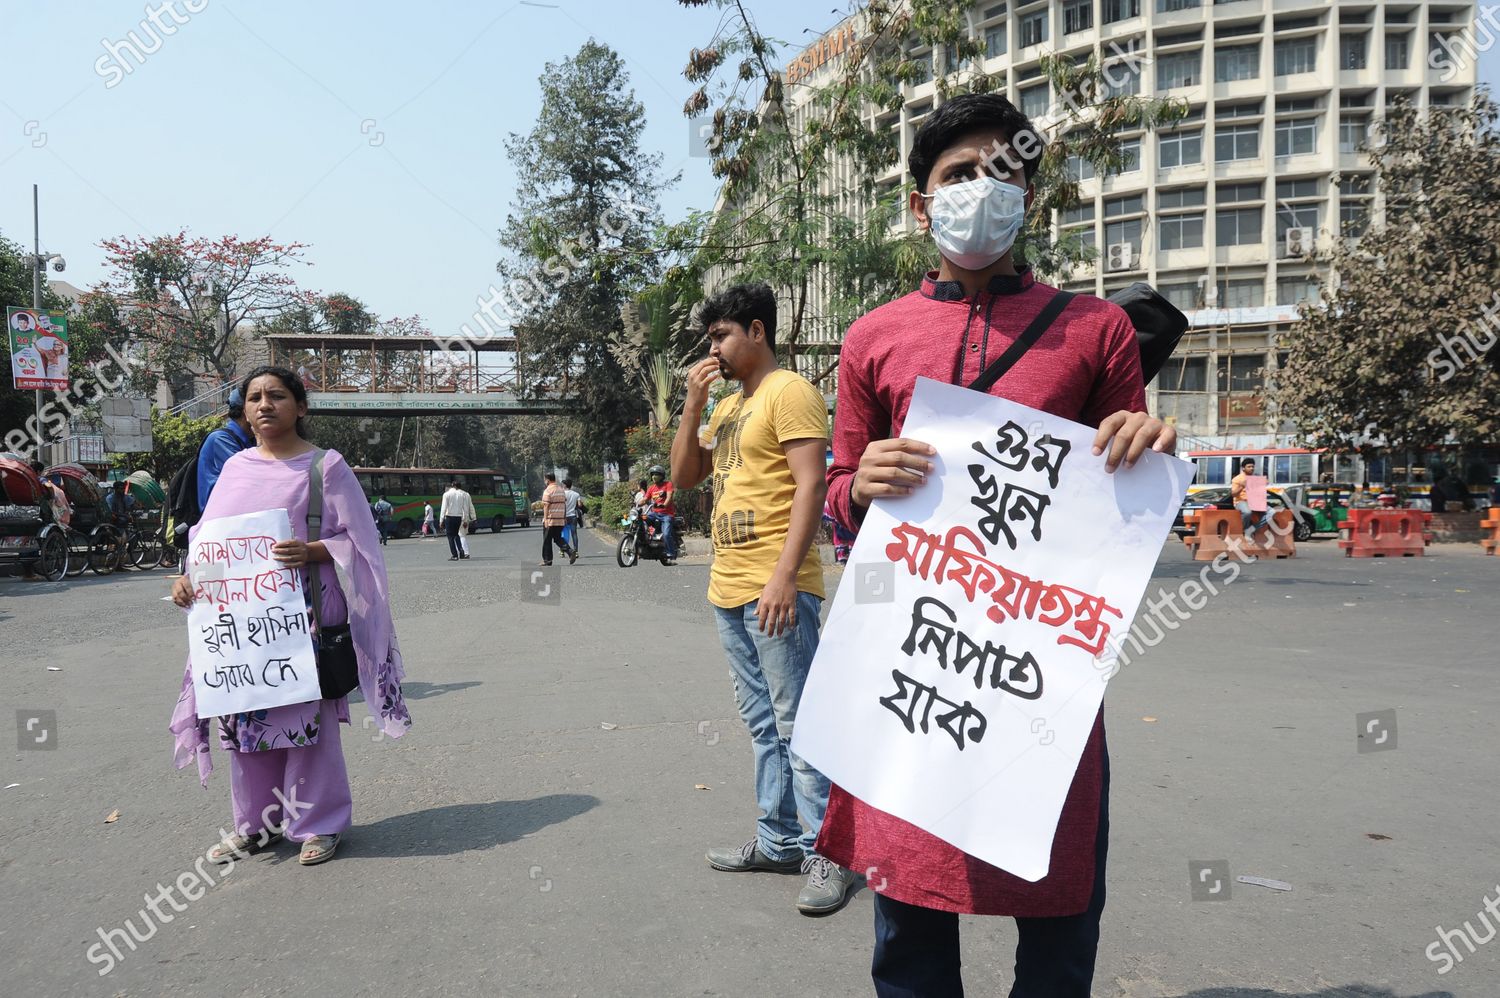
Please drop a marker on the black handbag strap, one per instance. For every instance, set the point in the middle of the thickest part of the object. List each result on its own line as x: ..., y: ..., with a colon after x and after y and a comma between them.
x: 315, y: 532
x: 1029, y: 336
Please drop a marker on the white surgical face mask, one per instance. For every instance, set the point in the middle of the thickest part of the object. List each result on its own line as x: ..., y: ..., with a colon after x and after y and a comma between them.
x: 975, y: 223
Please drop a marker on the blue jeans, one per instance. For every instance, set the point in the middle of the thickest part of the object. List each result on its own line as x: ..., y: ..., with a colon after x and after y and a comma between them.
x: 1247, y: 516
x: 769, y: 673
x: 917, y: 953
x: 663, y: 522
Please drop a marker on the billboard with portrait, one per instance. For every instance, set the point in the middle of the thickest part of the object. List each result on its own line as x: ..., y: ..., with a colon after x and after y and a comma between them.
x: 38, y: 348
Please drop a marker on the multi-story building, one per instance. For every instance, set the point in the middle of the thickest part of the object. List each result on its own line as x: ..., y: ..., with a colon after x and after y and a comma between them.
x: 1222, y: 212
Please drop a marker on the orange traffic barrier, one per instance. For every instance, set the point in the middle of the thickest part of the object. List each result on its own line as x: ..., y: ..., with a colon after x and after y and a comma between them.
x: 1277, y: 541
x: 1215, y: 532
x: 1381, y: 533
x: 1491, y: 525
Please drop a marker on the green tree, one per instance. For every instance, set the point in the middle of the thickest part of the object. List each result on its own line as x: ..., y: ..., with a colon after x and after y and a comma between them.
x: 184, y: 300
x: 578, y: 237
x: 657, y: 344
x: 174, y: 441
x: 790, y: 214
x: 1401, y: 345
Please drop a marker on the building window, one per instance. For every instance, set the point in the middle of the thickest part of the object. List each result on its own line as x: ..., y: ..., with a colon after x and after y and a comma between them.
x: 1354, y: 203
x: 1124, y: 232
x: 1083, y: 212
x: 1245, y: 293
x: 1119, y: 10
x: 1296, y: 290
x: 1354, y: 216
x: 1130, y: 155
x: 923, y: 63
x: 994, y: 40
x: 1179, y: 149
x: 1398, y: 51
x: 1132, y: 204
x: 1354, y: 51
x: 1034, y: 102
x: 1184, y: 374
x: 1302, y: 188
x: 1184, y: 295
x: 1237, y: 227
x: 1295, y: 55
x: 1181, y: 69
x: 1183, y: 197
x: 1181, y: 231
x: 1298, y: 216
x: 1242, y: 372
x: 1079, y: 169
x: 1077, y: 223
x: 1165, y: 6
x: 1251, y: 110
x: 1230, y: 193
x: 1233, y: 142
x: 1078, y: 15
x: 1352, y: 132
x: 1122, y: 79
x: 1237, y: 62
x: 1033, y: 28
x: 1297, y: 137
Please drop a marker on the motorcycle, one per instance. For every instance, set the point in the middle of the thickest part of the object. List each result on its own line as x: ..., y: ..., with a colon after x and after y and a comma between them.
x: 642, y: 540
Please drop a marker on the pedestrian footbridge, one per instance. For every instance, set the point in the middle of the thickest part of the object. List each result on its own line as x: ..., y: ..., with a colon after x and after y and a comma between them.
x: 409, y: 375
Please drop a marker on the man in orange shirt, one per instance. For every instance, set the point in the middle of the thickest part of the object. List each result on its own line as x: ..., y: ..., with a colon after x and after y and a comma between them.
x: 554, y: 518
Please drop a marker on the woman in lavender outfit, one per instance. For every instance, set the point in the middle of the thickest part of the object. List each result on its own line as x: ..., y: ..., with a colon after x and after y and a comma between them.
x: 286, y: 765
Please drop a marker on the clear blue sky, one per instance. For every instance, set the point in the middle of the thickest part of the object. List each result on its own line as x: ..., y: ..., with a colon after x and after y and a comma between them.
x: 248, y: 120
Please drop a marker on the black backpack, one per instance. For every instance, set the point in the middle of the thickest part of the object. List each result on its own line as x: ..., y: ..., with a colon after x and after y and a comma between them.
x: 182, y: 500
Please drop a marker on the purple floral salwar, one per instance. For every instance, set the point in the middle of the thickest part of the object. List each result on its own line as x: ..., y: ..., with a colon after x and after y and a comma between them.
x: 298, y: 746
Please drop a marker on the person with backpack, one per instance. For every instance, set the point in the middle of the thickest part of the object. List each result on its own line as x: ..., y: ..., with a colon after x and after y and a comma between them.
x: 222, y: 444
x: 973, y: 322
x: 190, y: 487
x: 383, y: 511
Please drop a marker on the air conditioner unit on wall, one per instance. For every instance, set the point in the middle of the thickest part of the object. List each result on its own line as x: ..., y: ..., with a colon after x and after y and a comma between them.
x: 1119, y: 257
x: 1296, y: 241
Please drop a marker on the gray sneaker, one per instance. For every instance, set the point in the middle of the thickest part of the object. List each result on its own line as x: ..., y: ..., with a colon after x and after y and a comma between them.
x: 742, y: 859
x: 828, y: 886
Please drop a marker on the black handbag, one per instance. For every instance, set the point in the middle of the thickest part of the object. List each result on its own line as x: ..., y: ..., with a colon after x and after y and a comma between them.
x: 338, y: 665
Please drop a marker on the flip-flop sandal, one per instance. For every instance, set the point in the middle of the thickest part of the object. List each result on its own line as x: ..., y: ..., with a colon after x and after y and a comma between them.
x: 238, y: 846
x: 318, y: 849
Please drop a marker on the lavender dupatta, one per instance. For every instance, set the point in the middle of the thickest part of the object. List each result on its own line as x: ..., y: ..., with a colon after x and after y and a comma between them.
x: 250, y: 483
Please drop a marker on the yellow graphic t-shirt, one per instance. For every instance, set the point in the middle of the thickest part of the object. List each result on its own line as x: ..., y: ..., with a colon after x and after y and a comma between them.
x: 753, y: 486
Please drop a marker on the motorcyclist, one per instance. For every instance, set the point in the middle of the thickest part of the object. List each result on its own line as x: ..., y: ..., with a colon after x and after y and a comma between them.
x: 661, y: 509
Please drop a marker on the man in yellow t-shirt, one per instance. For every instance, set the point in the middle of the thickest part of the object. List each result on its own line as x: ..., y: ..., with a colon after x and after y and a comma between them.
x: 765, y: 449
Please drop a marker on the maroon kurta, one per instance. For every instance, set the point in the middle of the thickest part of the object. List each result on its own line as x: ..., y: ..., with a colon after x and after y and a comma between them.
x: 1085, y: 367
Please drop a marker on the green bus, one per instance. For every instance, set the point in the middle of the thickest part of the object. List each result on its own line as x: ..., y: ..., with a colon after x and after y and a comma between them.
x: 410, y: 489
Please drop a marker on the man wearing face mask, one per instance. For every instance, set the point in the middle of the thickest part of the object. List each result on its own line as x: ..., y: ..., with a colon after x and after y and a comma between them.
x: 980, y: 320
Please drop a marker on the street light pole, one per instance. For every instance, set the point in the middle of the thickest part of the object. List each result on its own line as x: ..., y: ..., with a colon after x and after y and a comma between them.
x: 36, y: 302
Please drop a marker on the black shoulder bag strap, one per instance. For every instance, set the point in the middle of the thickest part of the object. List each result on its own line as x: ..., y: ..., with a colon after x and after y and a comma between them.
x: 1029, y: 336
x: 315, y: 532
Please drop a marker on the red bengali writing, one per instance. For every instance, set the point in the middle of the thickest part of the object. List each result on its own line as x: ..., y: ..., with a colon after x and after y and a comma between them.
x: 1014, y: 595
x: 232, y: 549
x: 264, y: 586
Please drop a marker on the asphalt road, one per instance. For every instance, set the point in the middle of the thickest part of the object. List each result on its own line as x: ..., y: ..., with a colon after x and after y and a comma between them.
x: 541, y: 830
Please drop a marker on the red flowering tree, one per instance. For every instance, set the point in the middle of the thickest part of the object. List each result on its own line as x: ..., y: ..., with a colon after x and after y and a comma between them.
x: 187, y: 300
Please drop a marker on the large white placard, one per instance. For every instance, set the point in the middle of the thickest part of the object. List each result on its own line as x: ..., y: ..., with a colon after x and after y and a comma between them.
x: 965, y: 655
x: 248, y: 637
